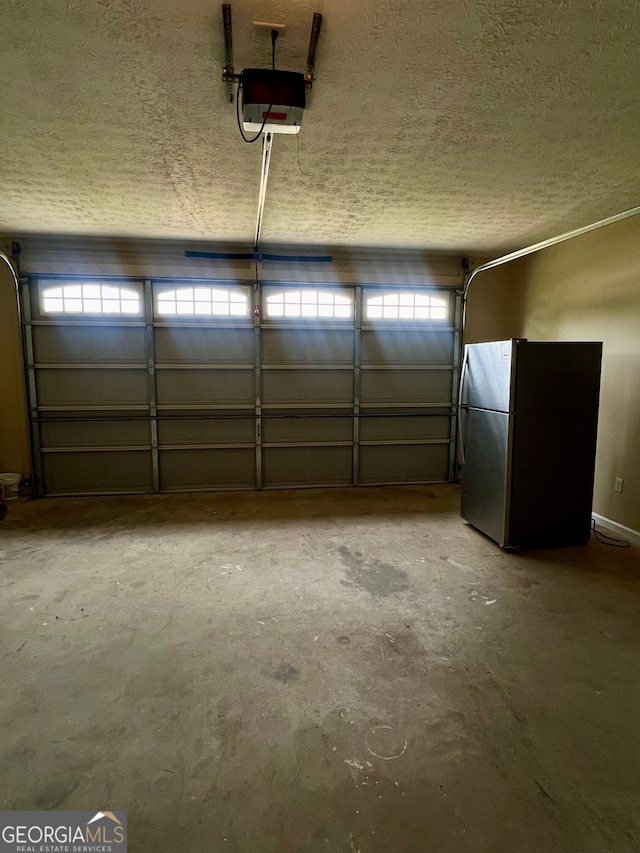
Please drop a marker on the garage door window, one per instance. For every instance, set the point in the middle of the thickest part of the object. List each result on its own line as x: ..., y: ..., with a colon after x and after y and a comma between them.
x: 89, y: 299
x: 309, y: 303
x: 406, y: 306
x: 202, y: 302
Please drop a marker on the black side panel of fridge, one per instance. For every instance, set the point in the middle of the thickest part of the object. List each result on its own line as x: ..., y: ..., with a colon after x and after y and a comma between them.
x: 554, y: 444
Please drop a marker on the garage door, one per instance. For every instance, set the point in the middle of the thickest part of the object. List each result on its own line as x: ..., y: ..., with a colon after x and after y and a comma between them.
x: 147, y: 386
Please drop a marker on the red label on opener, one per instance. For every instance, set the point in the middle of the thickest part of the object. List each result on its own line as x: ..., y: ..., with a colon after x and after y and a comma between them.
x: 274, y: 116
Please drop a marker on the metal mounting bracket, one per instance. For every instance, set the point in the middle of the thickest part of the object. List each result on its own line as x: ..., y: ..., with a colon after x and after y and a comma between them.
x: 230, y: 77
x: 313, y: 48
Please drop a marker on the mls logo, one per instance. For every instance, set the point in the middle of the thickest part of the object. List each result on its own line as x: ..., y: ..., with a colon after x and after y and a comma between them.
x: 63, y: 832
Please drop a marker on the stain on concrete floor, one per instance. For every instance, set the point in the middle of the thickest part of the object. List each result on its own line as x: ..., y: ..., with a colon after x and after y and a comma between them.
x: 286, y: 673
x: 303, y: 672
x: 372, y: 575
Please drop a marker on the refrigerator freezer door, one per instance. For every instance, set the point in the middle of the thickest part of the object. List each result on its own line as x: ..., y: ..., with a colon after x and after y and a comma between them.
x: 487, y: 380
x: 485, y: 473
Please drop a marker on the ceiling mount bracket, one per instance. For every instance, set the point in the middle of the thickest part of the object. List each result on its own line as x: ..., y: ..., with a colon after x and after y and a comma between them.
x: 228, y: 76
x: 316, y: 26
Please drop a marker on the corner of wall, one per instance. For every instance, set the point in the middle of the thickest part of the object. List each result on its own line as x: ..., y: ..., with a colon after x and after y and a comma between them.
x: 494, y: 304
x: 14, y: 432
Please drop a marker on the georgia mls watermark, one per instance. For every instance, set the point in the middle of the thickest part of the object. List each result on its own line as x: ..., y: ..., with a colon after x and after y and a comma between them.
x: 63, y: 832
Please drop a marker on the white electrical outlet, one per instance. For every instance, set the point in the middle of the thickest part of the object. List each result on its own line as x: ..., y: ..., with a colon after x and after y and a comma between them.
x: 262, y: 29
x: 619, y: 483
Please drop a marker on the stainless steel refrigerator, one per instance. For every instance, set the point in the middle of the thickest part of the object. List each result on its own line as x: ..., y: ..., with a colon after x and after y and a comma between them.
x: 527, y: 441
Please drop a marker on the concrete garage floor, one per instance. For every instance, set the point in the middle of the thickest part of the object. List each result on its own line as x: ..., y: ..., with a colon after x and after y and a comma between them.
x: 341, y: 671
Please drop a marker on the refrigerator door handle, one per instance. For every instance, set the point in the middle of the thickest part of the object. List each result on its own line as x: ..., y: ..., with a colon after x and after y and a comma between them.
x: 462, y: 439
x: 462, y: 434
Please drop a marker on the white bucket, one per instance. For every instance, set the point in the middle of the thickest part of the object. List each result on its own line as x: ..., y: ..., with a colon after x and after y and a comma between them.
x: 10, y: 486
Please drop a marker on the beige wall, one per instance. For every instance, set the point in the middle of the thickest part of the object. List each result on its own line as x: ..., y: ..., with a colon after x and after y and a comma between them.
x: 14, y: 440
x: 588, y: 289
x: 494, y: 304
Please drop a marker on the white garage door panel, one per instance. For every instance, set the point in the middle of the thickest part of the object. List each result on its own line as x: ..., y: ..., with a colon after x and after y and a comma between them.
x: 197, y: 387
x: 305, y: 466
x: 394, y: 346
x: 219, y: 431
x: 202, y: 469
x: 92, y: 345
x: 307, y: 346
x: 306, y: 429
x: 95, y: 434
x: 307, y: 387
x: 413, y: 463
x: 407, y: 428
x: 406, y: 387
x: 97, y: 472
x: 75, y: 387
x: 174, y: 345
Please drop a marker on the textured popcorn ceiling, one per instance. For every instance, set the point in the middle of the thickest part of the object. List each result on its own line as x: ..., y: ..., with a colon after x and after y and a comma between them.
x: 449, y: 124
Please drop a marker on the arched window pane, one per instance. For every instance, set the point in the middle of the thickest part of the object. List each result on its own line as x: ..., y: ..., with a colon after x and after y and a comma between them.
x: 406, y: 306
x: 202, y: 301
x: 310, y: 304
x: 90, y: 299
